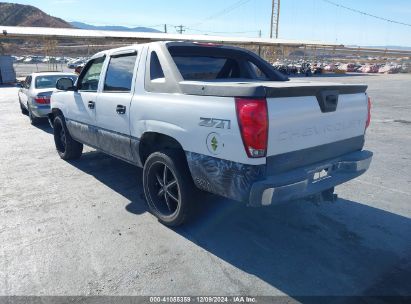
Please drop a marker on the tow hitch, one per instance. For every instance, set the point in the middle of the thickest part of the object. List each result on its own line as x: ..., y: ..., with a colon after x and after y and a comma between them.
x: 325, y: 196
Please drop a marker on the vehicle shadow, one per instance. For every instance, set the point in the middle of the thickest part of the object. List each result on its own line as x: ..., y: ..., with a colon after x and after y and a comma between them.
x: 305, y: 249
x: 120, y: 176
x: 44, y: 125
x: 302, y: 249
x: 11, y: 85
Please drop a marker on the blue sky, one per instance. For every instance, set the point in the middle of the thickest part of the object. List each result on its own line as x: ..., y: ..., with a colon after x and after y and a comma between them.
x: 300, y: 19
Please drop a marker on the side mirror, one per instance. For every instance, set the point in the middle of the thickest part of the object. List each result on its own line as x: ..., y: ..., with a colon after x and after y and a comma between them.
x: 65, y: 84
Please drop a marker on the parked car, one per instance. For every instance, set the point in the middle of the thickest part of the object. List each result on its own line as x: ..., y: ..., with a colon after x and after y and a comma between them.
x: 34, y: 94
x: 72, y: 64
x: 215, y: 118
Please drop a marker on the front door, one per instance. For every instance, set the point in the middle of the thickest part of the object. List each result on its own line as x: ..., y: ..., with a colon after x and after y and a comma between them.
x: 81, y: 112
x: 113, y: 105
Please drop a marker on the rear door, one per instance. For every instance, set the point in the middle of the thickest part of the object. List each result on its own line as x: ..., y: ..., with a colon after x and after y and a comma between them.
x: 81, y: 112
x: 113, y: 104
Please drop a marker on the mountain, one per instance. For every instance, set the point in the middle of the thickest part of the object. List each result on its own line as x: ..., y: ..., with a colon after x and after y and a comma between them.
x: 392, y: 47
x: 86, y: 26
x: 13, y: 14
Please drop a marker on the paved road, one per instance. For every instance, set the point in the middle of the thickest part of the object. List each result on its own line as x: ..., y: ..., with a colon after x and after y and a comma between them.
x: 81, y: 228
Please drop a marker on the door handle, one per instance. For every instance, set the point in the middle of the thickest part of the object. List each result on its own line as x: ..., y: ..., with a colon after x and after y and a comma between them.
x: 120, y: 109
x: 91, y: 104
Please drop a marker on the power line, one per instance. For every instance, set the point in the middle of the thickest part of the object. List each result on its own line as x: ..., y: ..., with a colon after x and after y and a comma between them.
x: 365, y: 13
x: 224, y: 11
x: 180, y: 28
x: 215, y: 32
x: 185, y: 28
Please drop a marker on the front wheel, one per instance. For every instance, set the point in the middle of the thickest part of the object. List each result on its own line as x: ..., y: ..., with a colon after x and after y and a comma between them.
x: 66, y: 146
x: 168, y: 187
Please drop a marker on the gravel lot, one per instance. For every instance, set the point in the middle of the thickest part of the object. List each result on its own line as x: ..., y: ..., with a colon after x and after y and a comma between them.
x: 82, y: 228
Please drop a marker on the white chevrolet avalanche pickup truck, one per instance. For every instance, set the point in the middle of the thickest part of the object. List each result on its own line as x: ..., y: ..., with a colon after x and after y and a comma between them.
x: 216, y: 118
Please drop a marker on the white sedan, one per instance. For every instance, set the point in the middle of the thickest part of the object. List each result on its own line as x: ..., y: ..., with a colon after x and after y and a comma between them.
x: 34, y: 95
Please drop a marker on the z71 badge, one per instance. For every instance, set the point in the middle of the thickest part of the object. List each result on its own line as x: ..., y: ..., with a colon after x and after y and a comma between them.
x: 215, y: 123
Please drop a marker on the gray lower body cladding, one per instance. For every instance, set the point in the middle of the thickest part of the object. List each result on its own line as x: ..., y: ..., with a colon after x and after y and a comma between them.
x: 222, y: 177
x: 116, y: 144
x: 247, y: 183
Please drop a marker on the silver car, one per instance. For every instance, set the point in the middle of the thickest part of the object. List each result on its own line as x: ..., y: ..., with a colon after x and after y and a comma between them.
x: 34, y: 95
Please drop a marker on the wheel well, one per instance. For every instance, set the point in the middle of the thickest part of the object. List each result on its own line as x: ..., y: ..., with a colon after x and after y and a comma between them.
x: 152, y: 142
x: 54, y: 112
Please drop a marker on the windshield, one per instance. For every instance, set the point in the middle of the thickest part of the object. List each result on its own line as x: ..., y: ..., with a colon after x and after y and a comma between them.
x: 49, y: 81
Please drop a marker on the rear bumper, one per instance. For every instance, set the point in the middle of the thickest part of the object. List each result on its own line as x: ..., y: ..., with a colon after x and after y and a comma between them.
x: 306, y: 181
x: 40, y: 110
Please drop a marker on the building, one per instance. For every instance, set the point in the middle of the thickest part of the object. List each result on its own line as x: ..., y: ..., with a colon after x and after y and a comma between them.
x: 7, y: 73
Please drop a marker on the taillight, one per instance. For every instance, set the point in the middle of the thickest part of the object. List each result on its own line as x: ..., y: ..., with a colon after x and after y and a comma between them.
x: 252, y: 117
x: 367, y: 124
x: 42, y: 99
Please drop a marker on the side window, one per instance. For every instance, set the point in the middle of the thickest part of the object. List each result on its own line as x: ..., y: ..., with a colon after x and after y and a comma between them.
x: 89, y: 79
x: 119, y: 73
x: 156, y: 71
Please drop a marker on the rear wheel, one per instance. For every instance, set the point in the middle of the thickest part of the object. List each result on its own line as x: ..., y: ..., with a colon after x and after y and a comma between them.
x: 33, y: 119
x: 66, y: 146
x: 168, y: 187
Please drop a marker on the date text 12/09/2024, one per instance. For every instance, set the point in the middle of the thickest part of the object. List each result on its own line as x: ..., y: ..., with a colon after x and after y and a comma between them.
x: 203, y: 299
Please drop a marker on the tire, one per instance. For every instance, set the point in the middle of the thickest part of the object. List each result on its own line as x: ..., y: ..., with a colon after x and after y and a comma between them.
x: 66, y: 146
x: 33, y: 119
x: 168, y: 187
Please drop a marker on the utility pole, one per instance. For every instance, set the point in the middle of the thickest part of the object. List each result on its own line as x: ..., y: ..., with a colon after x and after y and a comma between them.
x: 180, y: 29
x: 165, y: 28
x: 275, y: 18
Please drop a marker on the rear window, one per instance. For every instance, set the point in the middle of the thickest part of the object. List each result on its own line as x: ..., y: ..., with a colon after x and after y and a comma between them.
x: 200, y: 67
x: 156, y: 71
x: 49, y: 82
x: 214, y: 63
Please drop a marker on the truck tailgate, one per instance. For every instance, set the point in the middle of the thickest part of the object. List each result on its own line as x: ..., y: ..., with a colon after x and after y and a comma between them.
x: 302, y: 130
